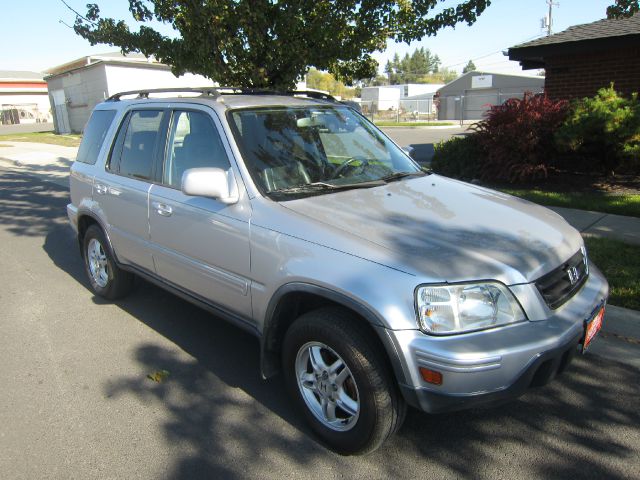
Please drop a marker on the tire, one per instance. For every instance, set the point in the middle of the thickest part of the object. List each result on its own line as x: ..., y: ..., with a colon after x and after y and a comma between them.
x: 355, y: 408
x: 106, y: 278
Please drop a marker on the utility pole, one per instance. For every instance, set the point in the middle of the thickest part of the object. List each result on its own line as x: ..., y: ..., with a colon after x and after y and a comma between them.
x: 549, y: 22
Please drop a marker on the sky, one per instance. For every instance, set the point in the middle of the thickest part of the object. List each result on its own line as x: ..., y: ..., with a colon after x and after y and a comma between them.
x: 35, y: 37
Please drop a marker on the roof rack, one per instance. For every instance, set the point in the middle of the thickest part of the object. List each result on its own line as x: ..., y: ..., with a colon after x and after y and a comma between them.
x: 217, y: 91
x: 212, y: 91
x: 313, y: 94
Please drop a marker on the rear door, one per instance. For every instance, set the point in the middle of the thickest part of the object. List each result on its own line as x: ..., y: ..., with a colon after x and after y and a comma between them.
x: 200, y: 244
x: 122, y: 190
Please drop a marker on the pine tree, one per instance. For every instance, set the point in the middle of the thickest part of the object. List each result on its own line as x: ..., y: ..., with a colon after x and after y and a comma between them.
x: 469, y: 68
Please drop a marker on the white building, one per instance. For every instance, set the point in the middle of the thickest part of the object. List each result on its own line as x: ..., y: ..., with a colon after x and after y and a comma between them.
x: 414, y: 89
x: 23, y: 98
x: 76, y: 87
x: 380, y: 98
x: 393, y: 97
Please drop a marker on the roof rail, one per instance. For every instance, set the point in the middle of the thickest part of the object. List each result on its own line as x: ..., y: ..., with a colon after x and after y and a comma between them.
x: 213, y: 91
x: 217, y: 91
x: 314, y: 94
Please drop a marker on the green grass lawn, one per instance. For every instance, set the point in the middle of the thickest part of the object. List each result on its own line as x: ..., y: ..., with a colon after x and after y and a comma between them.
x: 70, y: 140
x: 620, y: 263
x: 384, y: 123
x: 598, y: 202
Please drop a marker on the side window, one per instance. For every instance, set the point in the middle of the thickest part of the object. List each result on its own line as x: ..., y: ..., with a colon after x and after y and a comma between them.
x: 193, y: 143
x: 93, y: 136
x: 139, y: 144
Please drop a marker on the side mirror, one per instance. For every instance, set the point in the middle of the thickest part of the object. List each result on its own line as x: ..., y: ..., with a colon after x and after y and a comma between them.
x: 210, y: 182
x: 408, y: 150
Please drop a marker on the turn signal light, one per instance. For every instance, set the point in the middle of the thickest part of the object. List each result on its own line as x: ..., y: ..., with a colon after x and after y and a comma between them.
x: 431, y: 376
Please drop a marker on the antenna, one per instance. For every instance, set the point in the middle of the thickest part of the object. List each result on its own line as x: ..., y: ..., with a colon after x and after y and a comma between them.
x: 547, y: 22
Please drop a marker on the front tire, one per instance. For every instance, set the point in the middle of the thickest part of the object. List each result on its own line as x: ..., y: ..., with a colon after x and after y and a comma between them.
x: 338, y: 378
x: 106, y: 278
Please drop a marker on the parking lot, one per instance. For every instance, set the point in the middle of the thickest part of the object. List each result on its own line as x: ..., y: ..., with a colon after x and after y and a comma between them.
x: 77, y: 401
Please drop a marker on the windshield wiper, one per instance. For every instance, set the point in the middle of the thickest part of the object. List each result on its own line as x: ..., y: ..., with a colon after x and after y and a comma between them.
x: 325, y: 187
x: 398, y: 175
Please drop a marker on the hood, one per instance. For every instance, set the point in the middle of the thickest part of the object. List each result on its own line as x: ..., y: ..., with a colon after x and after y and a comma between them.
x: 446, y: 230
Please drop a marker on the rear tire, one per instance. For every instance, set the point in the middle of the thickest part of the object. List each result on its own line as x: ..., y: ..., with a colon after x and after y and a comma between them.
x: 106, y: 278
x: 341, y: 382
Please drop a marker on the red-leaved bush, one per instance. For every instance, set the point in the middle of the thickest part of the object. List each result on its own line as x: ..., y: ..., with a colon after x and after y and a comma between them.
x: 517, y: 138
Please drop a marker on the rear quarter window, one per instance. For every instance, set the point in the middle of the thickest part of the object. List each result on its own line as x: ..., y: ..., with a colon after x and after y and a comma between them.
x: 94, y: 134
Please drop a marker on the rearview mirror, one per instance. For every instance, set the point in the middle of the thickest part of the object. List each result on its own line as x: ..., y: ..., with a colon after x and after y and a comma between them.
x: 210, y: 182
x: 330, y: 122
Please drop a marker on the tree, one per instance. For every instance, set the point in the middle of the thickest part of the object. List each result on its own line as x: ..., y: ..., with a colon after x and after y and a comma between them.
x: 325, y: 81
x: 623, y: 9
x: 469, y: 68
x: 436, y: 64
x: 389, y: 70
x: 443, y: 75
x: 270, y: 44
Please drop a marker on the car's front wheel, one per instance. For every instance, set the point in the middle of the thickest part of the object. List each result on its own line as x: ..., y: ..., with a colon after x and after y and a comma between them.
x: 106, y: 278
x: 338, y: 378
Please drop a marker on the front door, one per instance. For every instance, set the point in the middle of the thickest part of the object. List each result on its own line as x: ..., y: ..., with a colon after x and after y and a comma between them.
x: 200, y: 244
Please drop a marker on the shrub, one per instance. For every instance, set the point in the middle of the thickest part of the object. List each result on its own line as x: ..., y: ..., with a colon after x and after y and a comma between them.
x: 459, y: 157
x: 604, y: 131
x: 517, y: 138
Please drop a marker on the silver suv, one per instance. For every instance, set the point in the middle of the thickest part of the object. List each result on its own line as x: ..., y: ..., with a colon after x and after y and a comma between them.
x: 371, y: 283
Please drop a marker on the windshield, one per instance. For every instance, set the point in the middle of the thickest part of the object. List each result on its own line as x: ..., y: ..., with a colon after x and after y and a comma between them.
x: 309, y: 150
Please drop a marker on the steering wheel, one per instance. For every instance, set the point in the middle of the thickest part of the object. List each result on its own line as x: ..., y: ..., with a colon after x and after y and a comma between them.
x: 363, y: 163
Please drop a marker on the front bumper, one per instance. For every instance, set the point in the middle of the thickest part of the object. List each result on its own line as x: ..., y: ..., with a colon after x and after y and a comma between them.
x: 495, y: 365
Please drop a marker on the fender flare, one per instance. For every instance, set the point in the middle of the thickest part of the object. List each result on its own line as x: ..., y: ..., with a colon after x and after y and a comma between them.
x: 270, y: 359
x: 105, y: 230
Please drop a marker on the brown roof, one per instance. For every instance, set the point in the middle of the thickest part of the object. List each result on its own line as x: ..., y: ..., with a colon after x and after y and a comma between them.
x: 590, y: 31
x: 602, y: 35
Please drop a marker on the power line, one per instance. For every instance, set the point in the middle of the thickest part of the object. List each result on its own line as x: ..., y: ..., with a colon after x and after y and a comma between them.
x: 464, y: 62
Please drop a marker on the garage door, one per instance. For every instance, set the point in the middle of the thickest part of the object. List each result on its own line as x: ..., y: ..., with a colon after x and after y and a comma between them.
x: 478, y: 102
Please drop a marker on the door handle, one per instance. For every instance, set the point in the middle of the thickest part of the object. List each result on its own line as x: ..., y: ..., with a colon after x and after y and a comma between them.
x: 162, y: 209
x: 100, y: 189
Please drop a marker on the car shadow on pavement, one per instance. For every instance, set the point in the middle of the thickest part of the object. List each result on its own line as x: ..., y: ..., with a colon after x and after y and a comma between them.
x: 226, y: 422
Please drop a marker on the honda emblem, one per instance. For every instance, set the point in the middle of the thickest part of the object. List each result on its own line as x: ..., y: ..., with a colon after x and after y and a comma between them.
x: 573, y: 274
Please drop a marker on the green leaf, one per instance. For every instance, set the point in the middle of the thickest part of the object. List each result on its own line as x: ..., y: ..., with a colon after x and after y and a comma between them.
x: 158, y: 376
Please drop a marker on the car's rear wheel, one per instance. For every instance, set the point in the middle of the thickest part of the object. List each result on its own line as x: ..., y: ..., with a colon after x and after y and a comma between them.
x: 106, y: 278
x: 339, y: 379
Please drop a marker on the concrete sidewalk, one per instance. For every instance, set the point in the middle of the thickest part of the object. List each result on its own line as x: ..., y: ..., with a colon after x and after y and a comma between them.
x: 598, y: 224
x: 619, y: 340
x: 49, y: 163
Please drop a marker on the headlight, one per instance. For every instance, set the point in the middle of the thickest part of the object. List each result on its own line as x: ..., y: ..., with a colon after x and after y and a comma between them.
x: 449, y: 309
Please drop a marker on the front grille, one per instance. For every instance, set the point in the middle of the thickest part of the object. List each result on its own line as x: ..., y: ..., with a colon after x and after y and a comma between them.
x: 561, y: 284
